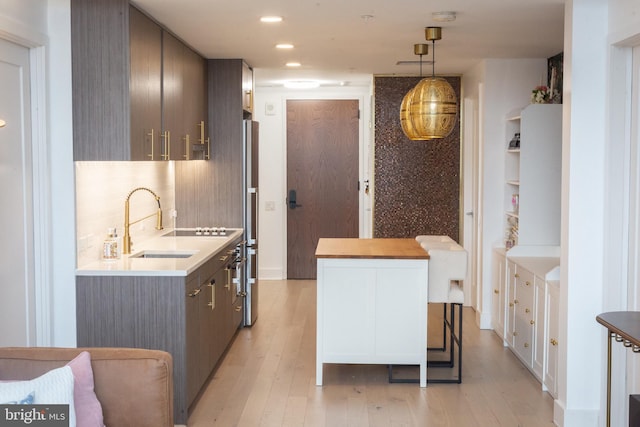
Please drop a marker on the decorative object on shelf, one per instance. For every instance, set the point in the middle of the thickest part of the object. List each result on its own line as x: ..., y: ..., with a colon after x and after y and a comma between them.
x: 554, y: 76
x: 544, y: 95
x: 515, y: 202
x: 429, y: 110
x: 515, y: 141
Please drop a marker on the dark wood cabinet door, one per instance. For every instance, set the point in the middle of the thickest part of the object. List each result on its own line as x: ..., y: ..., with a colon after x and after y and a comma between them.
x: 194, y: 102
x: 172, y: 98
x: 145, y: 86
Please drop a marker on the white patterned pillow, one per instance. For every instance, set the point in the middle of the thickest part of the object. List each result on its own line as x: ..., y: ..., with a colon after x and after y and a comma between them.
x: 54, y: 387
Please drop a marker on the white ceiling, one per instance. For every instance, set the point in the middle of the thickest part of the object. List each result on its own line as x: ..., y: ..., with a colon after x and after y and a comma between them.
x: 335, y: 43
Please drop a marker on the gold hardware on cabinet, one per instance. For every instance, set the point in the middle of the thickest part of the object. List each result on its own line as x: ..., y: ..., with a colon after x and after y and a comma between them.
x: 553, y: 341
x: 228, y: 285
x: 533, y: 322
x: 510, y: 304
x: 238, y: 308
x: 515, y: 301
x: 166, y: 136
x: 516, y: 275
x: 186, y: 147
x: 201, y: 126
x: 526, y: 345
x: 527, y: 283
x: 515, y: 333
x: 151, y: 136
x: 212, y: 303
x: 495, y: 291
x: 526, y: 310
x: 194, y: 293
x: 223, y: 258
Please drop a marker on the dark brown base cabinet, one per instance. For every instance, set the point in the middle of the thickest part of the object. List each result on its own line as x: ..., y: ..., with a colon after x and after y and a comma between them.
x: 194, y: 318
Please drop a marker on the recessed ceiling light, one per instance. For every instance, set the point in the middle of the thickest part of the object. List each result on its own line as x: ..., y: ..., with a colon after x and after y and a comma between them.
x: 271, y: 19
x: 284, y: 46
x: 302, y: 84
x: 293, y: 64
x: 443, y: 16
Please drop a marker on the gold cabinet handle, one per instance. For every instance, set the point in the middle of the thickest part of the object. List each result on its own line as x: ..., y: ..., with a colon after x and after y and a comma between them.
x: 150, y: 134
x: 515, y: 333
x: 515, y: 301
x: 553, y: 341
x: 166, y: 136
x: 526, y: 345
x: 495, y: 291
x: 510, y: 304
x: 194, y: 293
x: 533, y: 322
x: 186, y: 147
x: 516, y: 275
x: 526, y: 310
x: 212, y: 303
x: 238, y: 308
x: 527, y: 283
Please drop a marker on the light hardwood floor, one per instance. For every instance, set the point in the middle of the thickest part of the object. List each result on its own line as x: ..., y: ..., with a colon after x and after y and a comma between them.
x: 267, y: 378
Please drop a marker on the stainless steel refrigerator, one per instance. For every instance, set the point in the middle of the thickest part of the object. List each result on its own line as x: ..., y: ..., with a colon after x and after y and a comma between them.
x: 250, y: 221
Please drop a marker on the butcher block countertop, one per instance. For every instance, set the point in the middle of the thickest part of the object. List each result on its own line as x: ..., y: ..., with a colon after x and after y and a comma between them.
x: 370, y: 248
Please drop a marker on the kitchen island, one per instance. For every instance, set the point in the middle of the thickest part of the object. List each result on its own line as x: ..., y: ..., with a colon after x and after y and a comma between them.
x: 176, y: 293
x: 371, y: 303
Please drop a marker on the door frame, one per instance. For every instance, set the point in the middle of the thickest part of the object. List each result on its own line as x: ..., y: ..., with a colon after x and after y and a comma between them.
x: 37, y: 44
x: 365, y: 159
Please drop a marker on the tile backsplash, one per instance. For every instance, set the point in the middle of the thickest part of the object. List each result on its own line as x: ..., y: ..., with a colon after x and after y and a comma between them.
x: 101, y: 191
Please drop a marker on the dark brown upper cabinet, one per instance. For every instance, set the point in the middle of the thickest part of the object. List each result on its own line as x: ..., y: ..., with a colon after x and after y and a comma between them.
x: 139, y: 93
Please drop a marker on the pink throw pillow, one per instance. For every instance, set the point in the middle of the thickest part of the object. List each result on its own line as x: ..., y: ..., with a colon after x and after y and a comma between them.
x: 87, y: 405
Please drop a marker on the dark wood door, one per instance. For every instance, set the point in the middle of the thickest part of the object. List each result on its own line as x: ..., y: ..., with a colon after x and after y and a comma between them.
x: 322, y: 174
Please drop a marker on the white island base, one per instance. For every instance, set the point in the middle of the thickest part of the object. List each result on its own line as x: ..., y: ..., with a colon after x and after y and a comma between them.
x: 371, y: 303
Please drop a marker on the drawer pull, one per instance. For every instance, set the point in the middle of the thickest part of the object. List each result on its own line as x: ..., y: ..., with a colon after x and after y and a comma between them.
x: 238, y: 308
x: 515, y: 333
x: 553, y: 342
x: 495, y: 291
x: 526, y: 310
x: 516, y: 275
x: 526, y: 345
x: 533, y: 322
x: 515, y: 301
x: 194, y: 293
x: 527, y: 283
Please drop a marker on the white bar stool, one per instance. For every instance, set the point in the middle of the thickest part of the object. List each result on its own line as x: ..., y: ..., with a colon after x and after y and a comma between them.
x: 447, y: 267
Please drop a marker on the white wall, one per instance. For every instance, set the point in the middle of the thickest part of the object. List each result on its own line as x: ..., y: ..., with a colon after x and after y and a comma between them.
x: 273, y: 157
x: 584, y: 149
x: 506, y: 86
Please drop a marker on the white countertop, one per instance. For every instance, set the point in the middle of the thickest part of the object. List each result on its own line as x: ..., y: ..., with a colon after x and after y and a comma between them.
x: 130, y: 265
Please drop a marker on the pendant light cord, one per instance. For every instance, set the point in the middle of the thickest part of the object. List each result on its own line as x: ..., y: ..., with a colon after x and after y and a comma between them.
x: 433, y: 62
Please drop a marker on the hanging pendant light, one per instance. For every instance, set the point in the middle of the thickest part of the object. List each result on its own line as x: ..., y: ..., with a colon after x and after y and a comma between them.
x: 432, y: 105
x: 405, y: 120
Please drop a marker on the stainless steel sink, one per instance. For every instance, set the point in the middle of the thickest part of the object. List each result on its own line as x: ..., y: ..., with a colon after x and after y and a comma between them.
x: 163, y: 254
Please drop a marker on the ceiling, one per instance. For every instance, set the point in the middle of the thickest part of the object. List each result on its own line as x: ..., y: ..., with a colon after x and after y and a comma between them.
x: 343, y: 42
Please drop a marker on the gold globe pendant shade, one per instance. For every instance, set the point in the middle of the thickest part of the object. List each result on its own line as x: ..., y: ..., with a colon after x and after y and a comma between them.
x: 433, y: 109
x: 430, y: 109
x: 405, y: 119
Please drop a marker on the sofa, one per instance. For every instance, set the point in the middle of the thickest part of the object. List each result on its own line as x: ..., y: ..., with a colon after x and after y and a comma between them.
x: 134, y: 387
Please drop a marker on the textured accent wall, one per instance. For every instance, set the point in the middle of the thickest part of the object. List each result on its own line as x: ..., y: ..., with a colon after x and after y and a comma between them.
x: 417, y: 183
